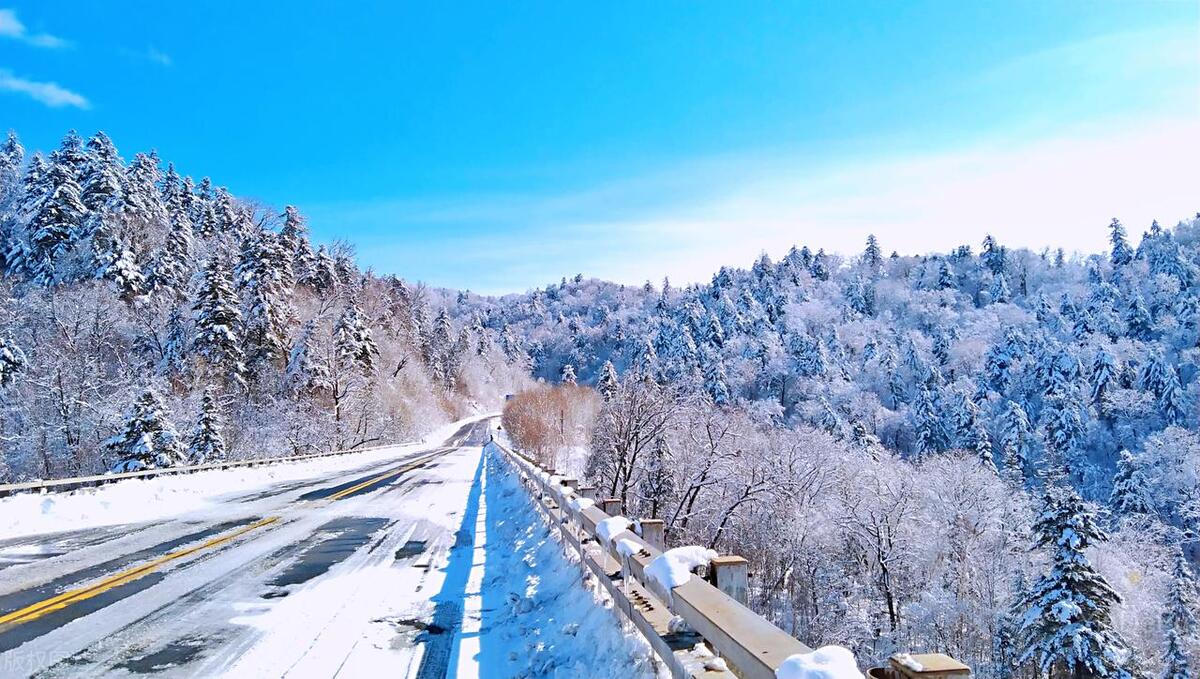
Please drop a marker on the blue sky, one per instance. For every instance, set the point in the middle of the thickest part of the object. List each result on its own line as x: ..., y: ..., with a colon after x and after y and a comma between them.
x: 498, y: 146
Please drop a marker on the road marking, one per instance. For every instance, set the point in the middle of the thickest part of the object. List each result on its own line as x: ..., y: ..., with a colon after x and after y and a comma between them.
x: 384, y: 476
x: 61, y: 601
x: 87, y: 592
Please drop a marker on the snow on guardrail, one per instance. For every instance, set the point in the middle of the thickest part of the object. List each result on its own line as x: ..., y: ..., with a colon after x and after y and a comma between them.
x: 655, y: 591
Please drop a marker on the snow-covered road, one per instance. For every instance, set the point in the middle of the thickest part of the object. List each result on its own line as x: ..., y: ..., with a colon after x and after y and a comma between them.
x: 425, y: 563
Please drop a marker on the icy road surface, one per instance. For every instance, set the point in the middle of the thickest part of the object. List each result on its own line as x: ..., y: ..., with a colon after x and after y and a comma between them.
x: 428, y: 563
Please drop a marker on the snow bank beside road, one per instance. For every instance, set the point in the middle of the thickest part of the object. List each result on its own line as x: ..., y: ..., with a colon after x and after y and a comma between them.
x: 139, y: 500
x: 555, y: 622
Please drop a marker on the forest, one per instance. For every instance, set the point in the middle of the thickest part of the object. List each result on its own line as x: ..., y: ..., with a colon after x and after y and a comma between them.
x: 989, y: 453
x: 149, y: 320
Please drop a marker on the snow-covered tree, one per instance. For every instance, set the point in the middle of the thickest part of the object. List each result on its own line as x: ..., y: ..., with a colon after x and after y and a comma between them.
x: 1068, y: 620
x: 218, y: 324
x: 568, y: 374
x: 12, y: 361
x: 206, y: 443
x: 1179, y: 619
x: 54, y: 225
x: 1015, y: 440
x: 872, y: 256
x: 608, y: 382
x: 305, y: 372
x: 147, y: 440
x: 1122, y: 254
x: 1130, y: 494
x: 932, y: 436
x: 353, y: 341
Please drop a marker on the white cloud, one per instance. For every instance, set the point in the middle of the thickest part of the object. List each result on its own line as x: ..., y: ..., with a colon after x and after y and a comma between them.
x: 158, y: 57
x: 1049, y: 192
x: 152, y: 54
x: 1053, y: 176
x: 11, y: 27
x: 1053, y: 192
x: 48, y: 93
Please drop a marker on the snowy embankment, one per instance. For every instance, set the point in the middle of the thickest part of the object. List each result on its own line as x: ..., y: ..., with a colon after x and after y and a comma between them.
x: 540, y: 615
x: 139, y: 500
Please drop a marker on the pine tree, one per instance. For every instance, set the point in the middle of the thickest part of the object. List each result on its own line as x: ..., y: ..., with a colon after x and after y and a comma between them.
x: 716, y: 383
x: 71, y: 155
x: 1015, y: 441
x: 1179, y: 619
x: 321, y: 274
x: 104, y: 176
x: 1154, y: 374
x: 993, y: 255
x: 144, y: 205
x: 204, y: 214
x: 353, y: 341
x: 1138, y: 320
x: 207, y: 444
x: 293, y: 236
x: 830, y: 420
x: 305, y: 373
x: 645, y: 362
x: 1063, y: 423
x: 218, y: 324
x: 714, y: 334
x: 808, y: 358
x: 147, y: 440
x: 228, y: 217
x: 872, y: 256
x: 1171, y: 398
x: 819, y: 268
x: 608, y: 383
x: 1121, y: 252
x: 55, y: 223
x: 1067, y: 621
x: 864, y: 440
x: 1104, y: 369
x: 1131, y: 492
x: 981, y: 444
x: 175, y: 349
x: 932, y: 436
x: 173, y: 265
x: 12, y: 157
x: 262, y: 274
x: 12, y: 361
x: 568, y: 374
x: 114, y: 262
x: 945, y: 277
x: 1000, y: 292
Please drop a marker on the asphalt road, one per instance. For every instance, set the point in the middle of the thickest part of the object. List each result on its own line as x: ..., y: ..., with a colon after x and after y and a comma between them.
x: 193, y: 595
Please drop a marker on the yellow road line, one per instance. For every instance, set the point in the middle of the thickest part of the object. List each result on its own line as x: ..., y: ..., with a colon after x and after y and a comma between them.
x: 386, y: 475
x: 67, y: 598
x: 87, y: 592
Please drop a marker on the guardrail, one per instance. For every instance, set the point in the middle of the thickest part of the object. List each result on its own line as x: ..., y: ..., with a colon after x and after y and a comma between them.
x: 713, y: 607
x: 751, y: 646
x: 78, y: 482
